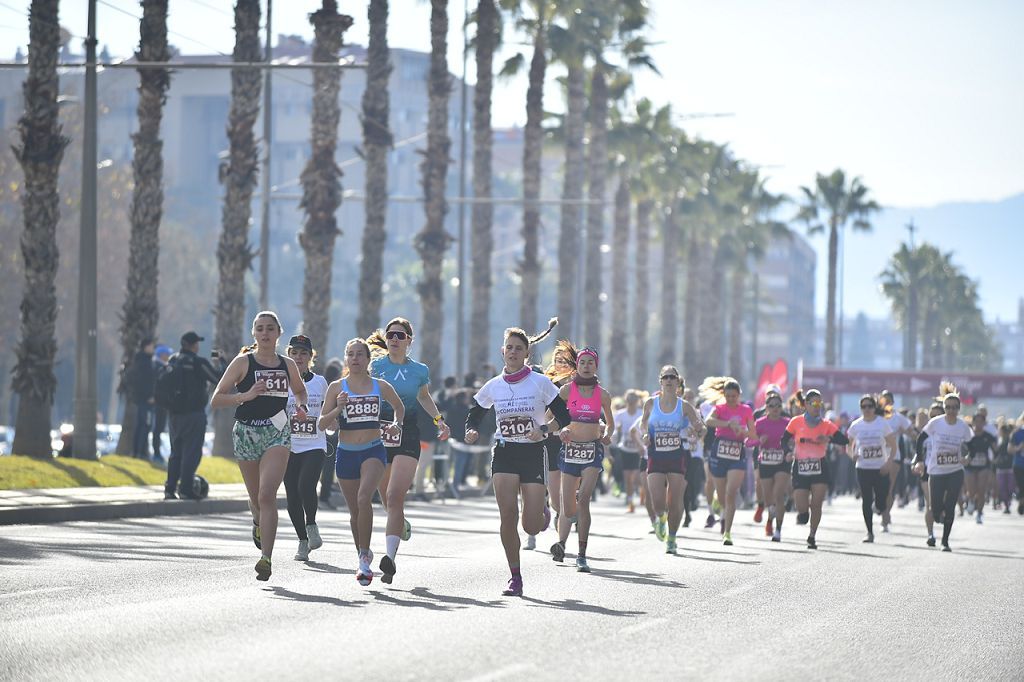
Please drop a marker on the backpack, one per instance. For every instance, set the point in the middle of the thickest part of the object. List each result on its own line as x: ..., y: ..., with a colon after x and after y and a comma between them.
x: 169, y: 391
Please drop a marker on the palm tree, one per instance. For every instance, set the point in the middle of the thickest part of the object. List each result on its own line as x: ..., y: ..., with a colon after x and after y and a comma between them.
x: 488, y: 35
x: 432, y: 241
x: 239, y: 174
x: 39, y: 153
x: 141, y: 312
x: 901, y: 284
x: 842, y: 202
x: 377, y: 140
x: 321, y: 178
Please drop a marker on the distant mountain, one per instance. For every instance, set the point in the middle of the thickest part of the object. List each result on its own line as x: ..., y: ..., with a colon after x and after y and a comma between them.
x: 986, y: 238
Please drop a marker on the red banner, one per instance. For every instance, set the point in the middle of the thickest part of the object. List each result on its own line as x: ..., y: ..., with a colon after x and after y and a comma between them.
x: 831, y: 380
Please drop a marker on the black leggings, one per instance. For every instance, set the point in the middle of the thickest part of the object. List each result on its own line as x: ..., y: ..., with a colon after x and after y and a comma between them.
x: 1018, y: 473
x: 694, y: 483
x: 300, y: 480
x: 945, y: 493
x: 874, y: 485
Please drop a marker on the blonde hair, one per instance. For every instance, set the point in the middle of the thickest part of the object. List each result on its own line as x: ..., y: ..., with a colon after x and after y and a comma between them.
x: 712, y: 389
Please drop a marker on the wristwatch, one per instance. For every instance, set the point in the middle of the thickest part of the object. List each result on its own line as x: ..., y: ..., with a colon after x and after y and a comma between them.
x: 544, y: 429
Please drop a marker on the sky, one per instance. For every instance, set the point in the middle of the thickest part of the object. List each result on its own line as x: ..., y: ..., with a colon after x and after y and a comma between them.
x: 921, y: 98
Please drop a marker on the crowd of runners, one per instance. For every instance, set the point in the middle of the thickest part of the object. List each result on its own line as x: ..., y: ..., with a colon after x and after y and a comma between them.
x: 559, y: 436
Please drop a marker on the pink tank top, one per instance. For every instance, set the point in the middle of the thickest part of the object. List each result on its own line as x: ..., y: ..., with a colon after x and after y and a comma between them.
x: 584, y: 410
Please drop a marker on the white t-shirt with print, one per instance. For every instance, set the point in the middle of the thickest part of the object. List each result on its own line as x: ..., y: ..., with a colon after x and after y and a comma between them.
x: 518, y: 408
x: 945, y: 443
x: 307, y: 436
x: 623, y: 423
x: 869, y: 437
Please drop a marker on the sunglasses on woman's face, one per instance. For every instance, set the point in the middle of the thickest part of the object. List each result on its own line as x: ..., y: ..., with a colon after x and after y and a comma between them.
x: 670, y: 377
x: 774, y: 404
x: 401, y: 336
x: 867, y: 406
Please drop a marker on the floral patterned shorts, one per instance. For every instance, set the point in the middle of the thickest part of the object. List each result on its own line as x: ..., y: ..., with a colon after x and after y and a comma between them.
x: 251, y: 442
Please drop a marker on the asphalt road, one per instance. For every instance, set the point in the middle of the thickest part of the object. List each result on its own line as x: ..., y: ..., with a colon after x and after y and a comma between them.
x: 165, y: 598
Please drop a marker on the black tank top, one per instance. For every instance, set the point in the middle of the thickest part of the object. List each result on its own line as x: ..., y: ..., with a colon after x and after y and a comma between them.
x: 262, y: 408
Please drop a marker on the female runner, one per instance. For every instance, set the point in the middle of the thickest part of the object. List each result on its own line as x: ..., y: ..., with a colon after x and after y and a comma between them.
x: 733, y: 423
x: 872, y: 444
x: 354, y: 403
x: 582, y: 456
x: 774, y: 463
x: 411, y: 380
x: 261, y: 436
x: 520, y: 398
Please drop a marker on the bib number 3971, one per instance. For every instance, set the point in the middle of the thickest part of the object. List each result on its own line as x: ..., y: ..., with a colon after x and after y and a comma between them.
x: 277, y: 382
x: 515, y: 428
x: 808, y: 467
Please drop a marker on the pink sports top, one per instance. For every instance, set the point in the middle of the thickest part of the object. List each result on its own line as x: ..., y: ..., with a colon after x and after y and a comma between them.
x: 584, y: 410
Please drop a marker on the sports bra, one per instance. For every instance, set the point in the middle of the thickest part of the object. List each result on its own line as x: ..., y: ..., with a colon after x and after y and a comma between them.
x: 362, y: 410
x: 584, y: 410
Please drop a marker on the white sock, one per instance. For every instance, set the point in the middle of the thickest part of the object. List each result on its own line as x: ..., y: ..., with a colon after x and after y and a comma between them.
x: 392, y: 545
x: 711, y: 509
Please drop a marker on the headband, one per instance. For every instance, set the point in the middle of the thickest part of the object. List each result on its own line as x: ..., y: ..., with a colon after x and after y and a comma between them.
x: 586, y: 351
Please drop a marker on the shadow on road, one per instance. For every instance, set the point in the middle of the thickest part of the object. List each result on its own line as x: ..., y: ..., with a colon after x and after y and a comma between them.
x: 425, y: 593
x: 825, y: 550
x: 990, y: 554
x: 284, y: 593
x: 644, y: 579
x: 716, y: 559
x: 320, y: 567
x: 387, y: 598
x: 577, y: 605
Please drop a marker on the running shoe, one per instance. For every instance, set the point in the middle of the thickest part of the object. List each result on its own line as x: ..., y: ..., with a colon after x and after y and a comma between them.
x: 759, y: 514
x: 802, y: 518
x: 256, y: 536
x: 406, y: 530
x: 531, y: 542
x: 687, y: 520
x: 979, y: 518
x: 263, y: 569
x: 558, y: 552
x: 661, y: 529
x: 1007, y: 509
x: 313, y: 533
x: 970, y: 507
x: 945, y: 547
x: 811, y: 544
x: 515, y: 587
x: 581, y: 564
x: 728, y: 540
x: 547, y: 519
x: 869, y: 538
x: 365, y: 574
x: 670, y: 547
x: 768, y: 527
x: 302, y: 553
x: 777, y: 536
x: 387, y: 569
x: 931, y: 540
x: 710, y: 522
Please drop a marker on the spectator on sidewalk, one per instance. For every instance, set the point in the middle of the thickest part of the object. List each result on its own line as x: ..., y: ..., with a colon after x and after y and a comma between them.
x: 188, y: 414
x: 160, y: 358
x: 142, y: 377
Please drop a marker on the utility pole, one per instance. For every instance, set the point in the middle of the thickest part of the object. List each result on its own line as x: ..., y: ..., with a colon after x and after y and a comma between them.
x: 460, y: 297
x: 911, y: 228
x: 84, y: 437
x: 268, y: 133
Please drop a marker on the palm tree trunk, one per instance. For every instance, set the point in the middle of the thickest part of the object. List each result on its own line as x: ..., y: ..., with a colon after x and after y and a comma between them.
x: 737, y: 295
x: 830, y: 308
x: 619, y: 298
x: 39, y: 153
x: 572, y: 192
x: 597, y: 167
x: 707, y: 300
x: 691, y: 319
x: 321, y: 178
x: 669, y: 274
x: 239, y: 175
x: 529, y: 269
x: 433, y: 240
x: 377, y: 140
x: 642, y: 291
x: 912, y: 327
x: 141, y: 312
x: 715, y: 355
x: 482, y: 214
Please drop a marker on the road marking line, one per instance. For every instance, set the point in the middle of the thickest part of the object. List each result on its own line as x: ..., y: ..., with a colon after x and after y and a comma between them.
x: 736, y: 591
x: 500, y: 673
x: 640, y: 627
x: 38, y: 591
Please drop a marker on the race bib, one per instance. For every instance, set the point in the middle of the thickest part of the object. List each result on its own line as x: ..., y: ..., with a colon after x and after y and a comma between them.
x: 979, y: 461
x: 515, y: 428
x: 391, y: 441
x: 730, y: 449
x: 772, y: 456
x: 362, y: 408
x: 277, y: 382
x: 808, y: 467
x: 871, y: 452
x: 303, y: 428
x: 667, y: 442
x: 579, y: 453
x: 947, y: 459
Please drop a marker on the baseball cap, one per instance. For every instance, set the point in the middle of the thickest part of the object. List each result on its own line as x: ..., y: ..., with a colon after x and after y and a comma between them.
x: 188, y: 338
x: 162, y: 350
x: 301, y: 341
